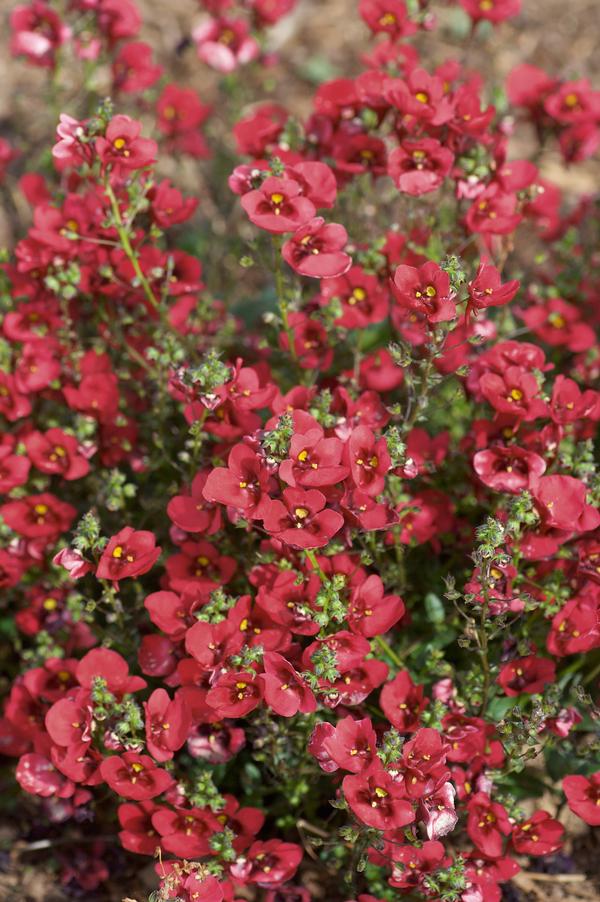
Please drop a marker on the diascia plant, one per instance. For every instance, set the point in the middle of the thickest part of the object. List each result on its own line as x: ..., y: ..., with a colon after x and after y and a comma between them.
x: 304, y: 591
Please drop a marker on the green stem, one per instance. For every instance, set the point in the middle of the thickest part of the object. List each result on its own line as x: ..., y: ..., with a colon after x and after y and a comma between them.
x: 483, y: 645
x: 424, y: 387
x: 592, y: 676
x: 280, y: 292
x: 389, y: 651
x: 128, y: 249
x: 315, y: 564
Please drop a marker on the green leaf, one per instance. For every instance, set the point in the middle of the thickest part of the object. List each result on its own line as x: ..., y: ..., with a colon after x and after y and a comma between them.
x: 434, y: 608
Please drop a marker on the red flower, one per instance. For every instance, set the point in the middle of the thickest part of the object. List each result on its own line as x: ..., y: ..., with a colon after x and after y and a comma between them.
x: 73, y: 561
x: 559, y: 324
x: 583, y: 797
x: 268, y: 863
x: 350, y: 650
x: 278, y: 205
x: 13, y: 403
x: 423, y: 763
x: 484, y: 874
x: 493, y: 10
x: 242, y: 484
x: 437, y: 811
x: 179, y: 110
x: 576, y: 627
x: 313, y: 460
x: 69, y: 720
x: 11, y: 568
x: 379, y: 372
x: 37, y: 33
x: 184, y: 831
x: 355, y: 684
x: 528, y: 674
x: 370, y: 611
x: 269, y: 12
x: 369, y: 460
x: 563, y: 723
x: 316, y: 250
x: 573, y: 102
x: 402, y: 702
x: 487, y: 824
x: 111, y: 668
x: 540, y: 834
x: 527, y: 85
x: 203, y: 888
x: 376, y: 799
x: 56, y: 452
x: 284, y: 690
x: 169, y: 207
x: 515, y: 392
x: 388, y: 16
x: 192, y: 512
x: 7, y: 155
x: 97, y: 396
x: 257, y: 133
x: 561, y: 502
x: 37, y: 775
x: 122, y: 148
x: 508, y: 468
x: 486, y: 289
x: 38, y: 516
x: 494, y: 212
x: 225, y: 44
x: 133, y: 69
x: 129, y: 553
x: 134, y: 776
x: 569, y: 403
x: 37, y: 366
x: 412, y: 864
x: 167, y: 724
x: 357, y: 154
x: 14, y: 468
x: 310, y: 341
x: 199, y: 566
x: 118, y: 19
x: 317, y: 181
x: 364, y: 301
x: 138, y: 834
x: 420, y: 97
x: 235, y: 694
x: 180, y: 114
x: 215, y: 744
x: 351, y: 745
x: 301, y: 520
x: 418, y: 167
x: 426, y: 290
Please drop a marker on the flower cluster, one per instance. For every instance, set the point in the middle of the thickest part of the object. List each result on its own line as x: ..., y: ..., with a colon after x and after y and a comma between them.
x: 320, y: 588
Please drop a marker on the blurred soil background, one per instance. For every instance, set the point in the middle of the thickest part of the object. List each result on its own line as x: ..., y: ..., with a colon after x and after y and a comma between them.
x: 323, y: 39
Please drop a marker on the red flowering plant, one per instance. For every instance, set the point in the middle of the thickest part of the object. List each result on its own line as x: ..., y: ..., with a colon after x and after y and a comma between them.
x: 301, y: 565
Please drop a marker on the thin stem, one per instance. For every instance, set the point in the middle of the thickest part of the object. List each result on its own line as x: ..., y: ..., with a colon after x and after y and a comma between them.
x: 592, y: 676
x: 315, y: 564
x: 280, y: 292
x: 389, y: 651
x: 128, y: 249
x: 483, y: 645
